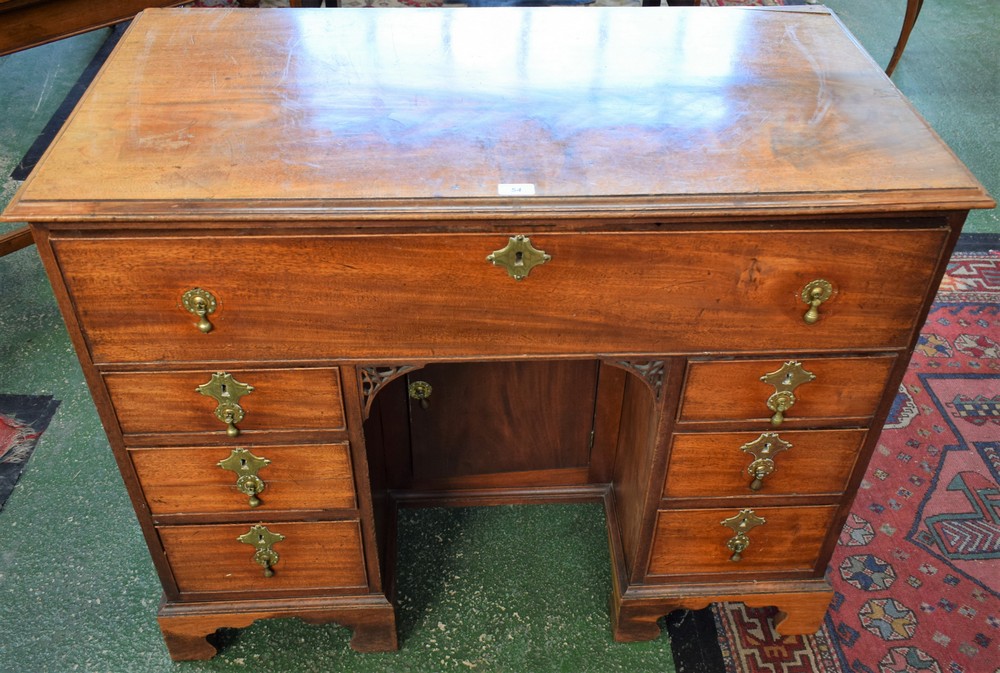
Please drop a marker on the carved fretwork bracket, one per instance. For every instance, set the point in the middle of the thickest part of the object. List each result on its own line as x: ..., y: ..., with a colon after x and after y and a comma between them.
x: 651, y: 372
x: 373, y: 378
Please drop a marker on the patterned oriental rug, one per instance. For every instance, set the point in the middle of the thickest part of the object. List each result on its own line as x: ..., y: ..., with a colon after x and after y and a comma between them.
x: 23, y: 419
x: 916, y: 573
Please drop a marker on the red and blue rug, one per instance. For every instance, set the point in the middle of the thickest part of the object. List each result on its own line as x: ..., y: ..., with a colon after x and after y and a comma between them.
x: 23, y: 419
x: 916, y: 573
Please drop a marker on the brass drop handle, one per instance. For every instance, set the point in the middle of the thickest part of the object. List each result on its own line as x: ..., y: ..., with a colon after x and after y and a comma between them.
x: 227, y: 391
x: 201, y: 303
x: 230, y: 414
x: 741, y: 524
x: 246, y: 466
x: 262, y: 539
x: 759, y: 469
x: 779, y: 403
x: 763, y: 449
x: 738, y: 545
x: 791, y: 375
x: 815, y: 293
x: 420, y: 390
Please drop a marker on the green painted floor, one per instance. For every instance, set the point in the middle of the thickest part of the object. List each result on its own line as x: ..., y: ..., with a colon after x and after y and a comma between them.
x: 77, y: 588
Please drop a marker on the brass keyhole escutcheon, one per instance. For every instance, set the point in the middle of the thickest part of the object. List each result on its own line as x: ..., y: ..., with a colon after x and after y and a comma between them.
x: 227, y: 391
x: 763, y: 449
x: 262, y: 539
x: 815, y: 293
x: 202, y: 304
x: 741, y: 524
x: 791, y: 375
x: 420, y: 391
x: 246, y: 466
x: 519, y: 257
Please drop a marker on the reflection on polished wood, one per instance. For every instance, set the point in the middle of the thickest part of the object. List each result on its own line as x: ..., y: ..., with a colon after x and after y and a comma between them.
x: 695, y: 110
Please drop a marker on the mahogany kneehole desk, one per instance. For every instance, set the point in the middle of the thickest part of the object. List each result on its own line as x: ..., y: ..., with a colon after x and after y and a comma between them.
x: 672, y: 261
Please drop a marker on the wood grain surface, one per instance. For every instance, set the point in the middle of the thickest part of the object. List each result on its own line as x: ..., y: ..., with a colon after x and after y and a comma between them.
x: 604, y: 109
x: 711, y: 465
x: 189, y: 480
x: 422, y: 296
x: 731, y: 390
x: 691, y: 542
x: 282, y: 399
x: 317, y: 555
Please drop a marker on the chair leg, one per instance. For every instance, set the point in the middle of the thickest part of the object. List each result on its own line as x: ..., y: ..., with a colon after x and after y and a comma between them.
x: 909, y: 19
x: 15, y: 240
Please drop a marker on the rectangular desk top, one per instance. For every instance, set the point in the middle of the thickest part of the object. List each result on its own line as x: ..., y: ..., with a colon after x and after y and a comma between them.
x: 309, y: 114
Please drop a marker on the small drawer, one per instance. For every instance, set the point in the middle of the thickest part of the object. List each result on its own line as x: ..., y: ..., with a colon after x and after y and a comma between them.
x: 732, y: 390
x: 317, y: 556
x: 713, y: 464
x: 190, y: 480
x: 281, y: 400
x: 694, y: 541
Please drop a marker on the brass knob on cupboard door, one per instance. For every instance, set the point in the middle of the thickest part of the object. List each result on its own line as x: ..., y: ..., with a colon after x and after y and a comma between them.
x: 814, y: 294
x: 202, y: 304
x: 420, y: 391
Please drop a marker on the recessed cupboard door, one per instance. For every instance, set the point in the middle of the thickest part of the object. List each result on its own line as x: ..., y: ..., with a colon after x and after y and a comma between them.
x: 501, y: 423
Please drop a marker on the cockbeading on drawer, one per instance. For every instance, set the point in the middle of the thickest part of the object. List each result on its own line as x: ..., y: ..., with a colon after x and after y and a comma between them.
x: 398, y: 296
x: 172, y: 407
x: 192, y: 480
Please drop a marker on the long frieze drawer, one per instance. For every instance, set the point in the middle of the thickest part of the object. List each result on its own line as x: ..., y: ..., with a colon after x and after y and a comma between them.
x: 409, y: 295
x: 784, y: 390
x: 258, y: 478
x: 778, y: 539
x: 742, y: 464
x: 265, y: 557
x: 237, y: 403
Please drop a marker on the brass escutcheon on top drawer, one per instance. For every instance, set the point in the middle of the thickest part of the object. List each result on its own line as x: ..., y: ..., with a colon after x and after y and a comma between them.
x: 519, y: 257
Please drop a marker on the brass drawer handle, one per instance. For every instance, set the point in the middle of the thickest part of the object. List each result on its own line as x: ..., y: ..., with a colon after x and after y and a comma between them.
x: 785, y: 381
x: 519, y: 257
x: 202, y: 304
x: 741, y: 524
x: 246, y: 466
x: 263, y: 539
x: 763, y: 449
x: 227, y: 391
x: 814, y: 294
